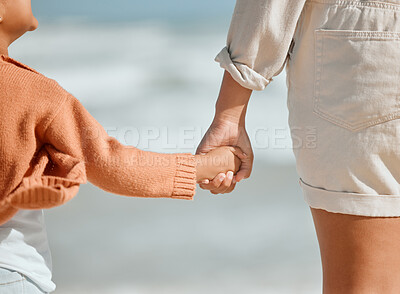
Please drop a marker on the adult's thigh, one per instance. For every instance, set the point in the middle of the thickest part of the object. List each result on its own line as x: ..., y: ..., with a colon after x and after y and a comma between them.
x: 359, y: 254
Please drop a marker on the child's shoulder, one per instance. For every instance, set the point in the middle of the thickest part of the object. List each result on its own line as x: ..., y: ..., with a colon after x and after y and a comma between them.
x: 15, y: 71
x: 26, y: 88
x: 18, y: 64
x: 17, y: 76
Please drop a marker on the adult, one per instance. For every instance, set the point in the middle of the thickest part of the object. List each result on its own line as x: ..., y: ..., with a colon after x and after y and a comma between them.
x: 341, y: 61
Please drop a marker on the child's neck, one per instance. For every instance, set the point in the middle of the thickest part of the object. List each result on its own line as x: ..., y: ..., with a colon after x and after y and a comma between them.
x: 3, y: 48
x: 4, y: 52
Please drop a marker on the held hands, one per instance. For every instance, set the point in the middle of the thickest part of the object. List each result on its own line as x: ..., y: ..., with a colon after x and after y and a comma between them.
x: 223, y: 133
x: 228, y: 129
x: 225, y: 159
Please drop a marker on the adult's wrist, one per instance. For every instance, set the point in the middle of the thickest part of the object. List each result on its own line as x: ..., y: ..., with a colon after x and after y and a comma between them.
x: 230, y: 117
x: 231, y: 105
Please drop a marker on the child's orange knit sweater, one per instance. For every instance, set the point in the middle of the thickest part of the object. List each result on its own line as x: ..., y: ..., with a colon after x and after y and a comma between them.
x: 50, y: 144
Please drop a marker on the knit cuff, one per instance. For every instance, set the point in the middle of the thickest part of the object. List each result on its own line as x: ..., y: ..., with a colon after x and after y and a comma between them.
x: 241, y: 73
x: 185, y: 177
x: 45, y: 192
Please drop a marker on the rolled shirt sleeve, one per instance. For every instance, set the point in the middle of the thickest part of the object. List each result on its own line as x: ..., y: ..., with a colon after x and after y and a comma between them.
x: 259, y: 38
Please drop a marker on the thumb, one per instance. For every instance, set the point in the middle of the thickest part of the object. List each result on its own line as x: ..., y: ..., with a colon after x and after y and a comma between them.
x: 203, y: 149
x: 245, y: 170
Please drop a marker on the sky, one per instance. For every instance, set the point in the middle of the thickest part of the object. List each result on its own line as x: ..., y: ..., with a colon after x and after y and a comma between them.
x: 131, y: 10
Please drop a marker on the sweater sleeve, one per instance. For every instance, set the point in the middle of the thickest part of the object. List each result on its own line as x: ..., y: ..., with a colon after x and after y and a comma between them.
x: 259, y: 39
x: 118, y: 168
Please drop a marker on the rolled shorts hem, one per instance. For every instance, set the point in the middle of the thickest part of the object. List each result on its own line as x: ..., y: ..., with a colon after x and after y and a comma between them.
x: 376, y: 205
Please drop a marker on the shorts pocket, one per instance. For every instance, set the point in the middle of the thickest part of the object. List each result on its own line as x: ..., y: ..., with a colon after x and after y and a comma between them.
x: 357, y: 77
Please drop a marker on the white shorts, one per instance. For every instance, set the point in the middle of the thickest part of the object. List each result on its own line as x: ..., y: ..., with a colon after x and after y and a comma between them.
x: 343, y: 79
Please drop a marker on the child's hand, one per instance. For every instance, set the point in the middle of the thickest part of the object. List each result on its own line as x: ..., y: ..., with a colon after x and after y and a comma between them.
x: 219, y: 160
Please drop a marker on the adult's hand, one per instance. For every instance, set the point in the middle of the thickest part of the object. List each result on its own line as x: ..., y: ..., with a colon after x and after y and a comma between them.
x: 228, y: 128
x: 227, y: 133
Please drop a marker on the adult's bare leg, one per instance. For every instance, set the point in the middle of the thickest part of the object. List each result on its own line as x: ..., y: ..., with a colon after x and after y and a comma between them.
x: 359, y: 254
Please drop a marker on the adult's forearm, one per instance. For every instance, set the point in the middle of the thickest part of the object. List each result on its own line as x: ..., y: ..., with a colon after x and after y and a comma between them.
x: 232, y: 102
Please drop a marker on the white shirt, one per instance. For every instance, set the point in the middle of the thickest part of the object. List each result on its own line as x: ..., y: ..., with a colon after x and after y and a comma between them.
x: 24, y: 247
x: 259, y: 40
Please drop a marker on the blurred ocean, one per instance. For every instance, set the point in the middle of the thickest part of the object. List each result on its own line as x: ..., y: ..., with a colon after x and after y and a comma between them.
x: 146, y: 72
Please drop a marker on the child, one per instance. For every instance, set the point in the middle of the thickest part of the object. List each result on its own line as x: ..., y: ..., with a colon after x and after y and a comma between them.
x: 50, y: 144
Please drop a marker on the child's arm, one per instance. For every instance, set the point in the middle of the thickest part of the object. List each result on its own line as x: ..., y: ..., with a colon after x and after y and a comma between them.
x: 122, y: 169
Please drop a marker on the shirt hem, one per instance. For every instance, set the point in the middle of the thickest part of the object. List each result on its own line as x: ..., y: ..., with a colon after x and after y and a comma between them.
x: 37, y: 283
